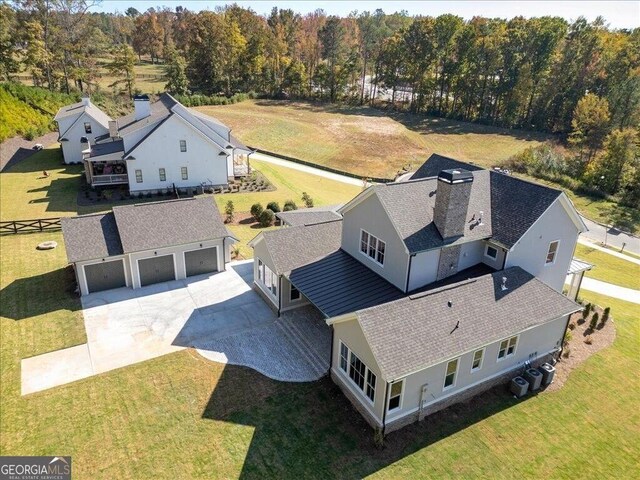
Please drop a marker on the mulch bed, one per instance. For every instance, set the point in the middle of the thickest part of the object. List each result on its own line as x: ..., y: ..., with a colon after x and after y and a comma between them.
x: 579, y: 351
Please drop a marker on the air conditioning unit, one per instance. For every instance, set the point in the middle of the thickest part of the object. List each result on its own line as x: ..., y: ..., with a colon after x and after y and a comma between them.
x: 534, y: 377
x: 519, y: 387
x: 548, y: 371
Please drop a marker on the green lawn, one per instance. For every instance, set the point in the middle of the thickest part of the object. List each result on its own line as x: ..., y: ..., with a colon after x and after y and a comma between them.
x: 364, y: 140
x: 179, y: 416
x: 625, y: 252
x: 610, y: 269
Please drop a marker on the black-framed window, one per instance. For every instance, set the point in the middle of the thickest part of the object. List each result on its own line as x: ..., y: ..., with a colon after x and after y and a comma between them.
x: 163, y: 174
x: 344, y: 357
x: 491, y: 252
x: 357, y: 370
x: 87, y: 127
x: 138, y: 176
x: 395, y: 395
x: 371, y: 385
x: 183, y: 145
x: 184, y: 171
x: 294, y: 294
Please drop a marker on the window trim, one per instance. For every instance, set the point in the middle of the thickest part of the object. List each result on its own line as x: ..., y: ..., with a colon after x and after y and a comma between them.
x: 399, y: 407
x: 262, y: 280
x: 139, y: 171
x: 184, y: 173
x: 486, y: 251
x: 162, y: 174
x: 183, y: 146
x: 352, y: 383
x: 479, y: 367
x: 506, y: 351
x: 455, y: 374
x: 376, y: 250
x: 555, y: 254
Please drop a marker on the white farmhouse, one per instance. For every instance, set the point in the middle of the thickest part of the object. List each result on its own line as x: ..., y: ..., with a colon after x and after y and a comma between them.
x: 160, y: 146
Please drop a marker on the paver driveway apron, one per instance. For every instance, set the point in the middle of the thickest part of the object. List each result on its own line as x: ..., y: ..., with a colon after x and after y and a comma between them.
x: 218, y: 314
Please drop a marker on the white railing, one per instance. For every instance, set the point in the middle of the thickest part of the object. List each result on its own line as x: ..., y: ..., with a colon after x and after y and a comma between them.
x: 109, y: 179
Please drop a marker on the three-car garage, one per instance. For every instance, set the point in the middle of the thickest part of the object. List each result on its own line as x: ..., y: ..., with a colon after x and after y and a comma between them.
x: 140, y: 245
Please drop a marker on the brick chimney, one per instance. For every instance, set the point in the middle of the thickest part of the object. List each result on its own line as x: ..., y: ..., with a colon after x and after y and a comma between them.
x: 142, y: 106
x: 452, y: 202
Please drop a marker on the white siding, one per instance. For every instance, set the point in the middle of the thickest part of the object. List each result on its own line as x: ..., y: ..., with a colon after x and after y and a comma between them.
x: 162, y: 150
x: 470, y: 254
x: 536, y: 342
x: 72, y: 148
x: 424, y: 269
x: 530, y: 252
x: 371, y: 216
x: 499, y: 260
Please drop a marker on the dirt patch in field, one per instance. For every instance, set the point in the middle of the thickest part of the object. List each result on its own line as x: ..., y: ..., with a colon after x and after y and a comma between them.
x: 579, y: 349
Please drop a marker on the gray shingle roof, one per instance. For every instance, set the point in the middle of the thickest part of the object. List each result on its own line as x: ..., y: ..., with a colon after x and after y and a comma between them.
x: 160, y: 111
x: 107, y: 148
x: 338, y: 284
x: 410, y: 208
x: 516, y: 204
x: 294, y: 247
x: 309, y: 216
x: 90, y: 237
x: 418, y: 331
x: 146, y: 226
x: 436, y: 163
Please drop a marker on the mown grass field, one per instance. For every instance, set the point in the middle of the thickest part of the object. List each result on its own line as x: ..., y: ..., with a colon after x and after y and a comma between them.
x: 179, y: 416
x: 363, y: 140
x: 610, y: 269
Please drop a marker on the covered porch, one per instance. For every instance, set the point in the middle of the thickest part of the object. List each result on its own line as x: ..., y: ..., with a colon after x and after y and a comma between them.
x: 104, y: 164
x: 575, y: 275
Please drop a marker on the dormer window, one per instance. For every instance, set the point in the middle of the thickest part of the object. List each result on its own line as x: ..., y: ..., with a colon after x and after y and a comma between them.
x: 87, y: 127
x: 372, y: 247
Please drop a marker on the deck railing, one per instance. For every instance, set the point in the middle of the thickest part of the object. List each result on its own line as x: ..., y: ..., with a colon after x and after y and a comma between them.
x: 109, y: 179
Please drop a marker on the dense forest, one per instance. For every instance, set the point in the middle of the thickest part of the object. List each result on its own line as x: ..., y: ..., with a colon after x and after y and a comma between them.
x: 580, y: 79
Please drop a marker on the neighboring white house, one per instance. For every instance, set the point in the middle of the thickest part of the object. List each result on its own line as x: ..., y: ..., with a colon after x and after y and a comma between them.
x: 160, y: 146
x: 436, y: 288
x: 79, y: 124
x: 138, y: 245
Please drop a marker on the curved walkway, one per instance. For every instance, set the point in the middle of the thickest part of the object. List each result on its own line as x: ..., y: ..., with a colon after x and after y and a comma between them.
x: 622, y: 293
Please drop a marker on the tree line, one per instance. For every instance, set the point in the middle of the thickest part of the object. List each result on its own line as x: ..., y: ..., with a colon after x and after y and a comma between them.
x: 579, y: 79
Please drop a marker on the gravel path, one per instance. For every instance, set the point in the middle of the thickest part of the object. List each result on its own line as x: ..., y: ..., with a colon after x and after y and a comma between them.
x: 15, y: 149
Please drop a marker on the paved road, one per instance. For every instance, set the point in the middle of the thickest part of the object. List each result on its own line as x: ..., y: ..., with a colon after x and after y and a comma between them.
x: 613, y: 237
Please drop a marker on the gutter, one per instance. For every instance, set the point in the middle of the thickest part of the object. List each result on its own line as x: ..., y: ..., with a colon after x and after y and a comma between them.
x: 279, y: 294
x: 384, y: 408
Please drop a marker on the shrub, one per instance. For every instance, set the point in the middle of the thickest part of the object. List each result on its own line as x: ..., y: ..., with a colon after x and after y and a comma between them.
x: 273, y: 206
x: 228, y: 210
x: 256, y: 211
x: 605, y: 317
x: 586, y: 311
x: 308, y: 201
x: 290, y: 205
x: 568, y: 336
x: 235, y: 251
x: 588, y: 340
x: 566, y: 352
x: 267, y: 217
x: 572, y: 326
x: 594, y: 321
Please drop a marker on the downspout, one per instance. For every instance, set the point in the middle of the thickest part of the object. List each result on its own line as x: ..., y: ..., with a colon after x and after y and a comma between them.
x: 406, y: 290
x: 331, y: 354
x: 504, y: 259
x: 224, y: 255
x: 384, y: 408
x: 564, y: 334
x: 279, y: 294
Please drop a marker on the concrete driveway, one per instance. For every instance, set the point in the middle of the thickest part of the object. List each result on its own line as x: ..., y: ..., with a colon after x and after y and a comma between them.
x: 218, y: 314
